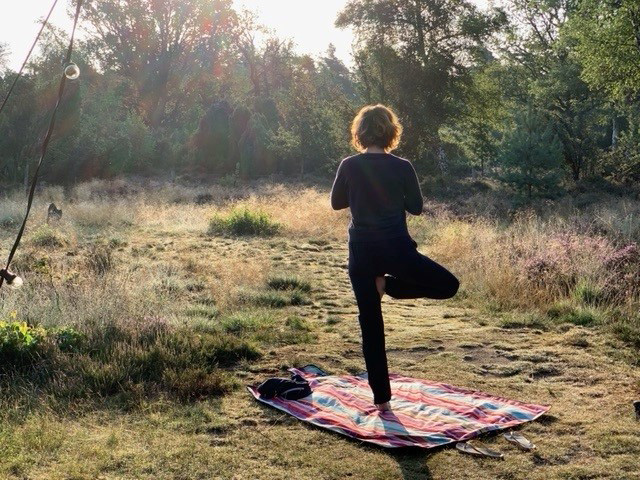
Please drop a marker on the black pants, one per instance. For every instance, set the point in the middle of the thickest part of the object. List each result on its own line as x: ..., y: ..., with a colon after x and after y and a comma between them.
x: 408, y: 274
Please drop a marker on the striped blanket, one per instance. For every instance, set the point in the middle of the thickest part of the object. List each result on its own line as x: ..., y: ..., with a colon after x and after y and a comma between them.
x: 424, y: 414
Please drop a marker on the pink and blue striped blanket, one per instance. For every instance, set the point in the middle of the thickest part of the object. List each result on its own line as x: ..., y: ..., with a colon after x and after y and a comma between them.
x: 424, y: 414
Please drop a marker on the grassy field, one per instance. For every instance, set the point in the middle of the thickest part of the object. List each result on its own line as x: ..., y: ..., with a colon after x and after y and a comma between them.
x: 148, y: 309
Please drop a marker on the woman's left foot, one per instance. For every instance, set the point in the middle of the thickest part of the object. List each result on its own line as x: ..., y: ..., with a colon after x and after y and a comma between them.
x: 384, y: 407
x: 380, y: 285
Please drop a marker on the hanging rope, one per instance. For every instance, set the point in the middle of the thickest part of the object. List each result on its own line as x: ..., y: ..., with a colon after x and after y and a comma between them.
x: 4, y: 273
x: 15, y: 80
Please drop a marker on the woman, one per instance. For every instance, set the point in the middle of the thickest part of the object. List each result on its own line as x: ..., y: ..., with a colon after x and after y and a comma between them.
x: 380, y: 188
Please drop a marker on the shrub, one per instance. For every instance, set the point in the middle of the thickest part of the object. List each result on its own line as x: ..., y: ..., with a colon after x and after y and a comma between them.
x: 11, y: 213
x: 68, y: 339
x: 244, y: 222
x: 19, y: 342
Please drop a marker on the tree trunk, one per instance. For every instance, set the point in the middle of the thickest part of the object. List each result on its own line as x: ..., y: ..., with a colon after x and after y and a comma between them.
x: 615, y: 131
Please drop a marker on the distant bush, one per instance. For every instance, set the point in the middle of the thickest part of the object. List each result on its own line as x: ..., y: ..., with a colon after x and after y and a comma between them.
x: 244, y: 222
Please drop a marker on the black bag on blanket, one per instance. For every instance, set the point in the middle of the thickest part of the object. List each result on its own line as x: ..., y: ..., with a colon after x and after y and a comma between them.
x: 291, y: 389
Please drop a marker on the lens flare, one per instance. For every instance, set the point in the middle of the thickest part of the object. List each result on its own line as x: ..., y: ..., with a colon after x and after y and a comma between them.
x: 71, y: 71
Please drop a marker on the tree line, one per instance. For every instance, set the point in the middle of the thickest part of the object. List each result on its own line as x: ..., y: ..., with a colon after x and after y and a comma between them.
x: 536, y: 93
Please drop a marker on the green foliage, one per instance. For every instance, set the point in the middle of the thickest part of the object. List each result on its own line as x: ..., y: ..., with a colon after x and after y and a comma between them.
x: 531, y: 156
x: 606, y: 36
x: 243, y: 221
x: 19, y: 342
x: 402, y: 60
x: 68, y: 339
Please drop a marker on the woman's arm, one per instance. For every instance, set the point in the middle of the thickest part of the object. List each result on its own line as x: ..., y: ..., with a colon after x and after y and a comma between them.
x: 413, y: 200
x: 340, y: 192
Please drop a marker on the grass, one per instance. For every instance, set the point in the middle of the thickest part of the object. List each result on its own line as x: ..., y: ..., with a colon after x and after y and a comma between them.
x: 141, y: 358
x: 46, y: 236
x: 288, y: 282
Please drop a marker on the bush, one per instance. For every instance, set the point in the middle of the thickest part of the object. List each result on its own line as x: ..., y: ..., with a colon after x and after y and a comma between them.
x: 19, y: 342
x: 244, y: 222
x: 68, y: 339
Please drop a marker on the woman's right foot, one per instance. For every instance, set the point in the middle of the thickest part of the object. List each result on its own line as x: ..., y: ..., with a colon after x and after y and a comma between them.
x: 384, y: 407
x: 380, y: 285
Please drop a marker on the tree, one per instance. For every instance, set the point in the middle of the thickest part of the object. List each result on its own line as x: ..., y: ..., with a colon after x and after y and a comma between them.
x: 4, y: 54
x: 540, y: 55
x: 157, y: 43
x: 531, y: 155
x: 415, y: 55
x: 478, y: 128
x: 608, y: 46
x: 212, y: 139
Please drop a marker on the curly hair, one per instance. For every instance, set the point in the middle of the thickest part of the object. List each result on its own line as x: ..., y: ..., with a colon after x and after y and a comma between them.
x: 376, y: 125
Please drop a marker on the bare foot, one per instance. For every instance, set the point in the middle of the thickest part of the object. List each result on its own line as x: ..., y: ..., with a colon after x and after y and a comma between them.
x: 384, y: 407
x: 380, y: 285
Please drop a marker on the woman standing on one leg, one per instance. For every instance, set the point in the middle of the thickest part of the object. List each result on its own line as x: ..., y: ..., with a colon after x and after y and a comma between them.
x: 380, y: 188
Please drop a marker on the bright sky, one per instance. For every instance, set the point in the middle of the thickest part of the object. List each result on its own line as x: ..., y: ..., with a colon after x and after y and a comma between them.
x: 308, y: 22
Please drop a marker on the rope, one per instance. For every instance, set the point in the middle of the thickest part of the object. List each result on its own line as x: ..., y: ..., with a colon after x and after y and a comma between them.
x: 15, y: 80
x: 45, y: 145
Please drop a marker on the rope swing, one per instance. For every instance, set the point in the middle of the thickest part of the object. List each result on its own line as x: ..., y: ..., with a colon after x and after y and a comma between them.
x: 70, y: 72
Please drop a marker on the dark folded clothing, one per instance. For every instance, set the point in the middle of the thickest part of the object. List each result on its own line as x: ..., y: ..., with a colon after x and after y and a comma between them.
x: 291, y: 389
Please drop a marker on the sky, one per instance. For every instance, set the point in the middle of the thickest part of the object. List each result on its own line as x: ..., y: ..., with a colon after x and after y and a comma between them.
x: 308, y: 22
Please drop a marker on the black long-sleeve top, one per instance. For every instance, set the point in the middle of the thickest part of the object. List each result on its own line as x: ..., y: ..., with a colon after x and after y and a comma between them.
x: 379, y: 188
